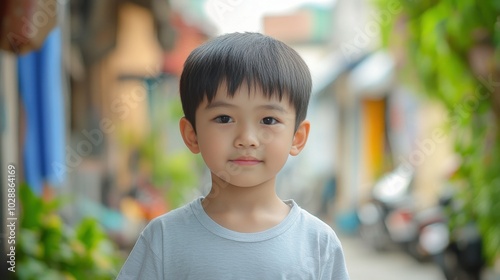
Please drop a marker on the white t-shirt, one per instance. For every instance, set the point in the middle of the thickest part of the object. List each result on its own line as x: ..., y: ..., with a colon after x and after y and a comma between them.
x: 187, y: 244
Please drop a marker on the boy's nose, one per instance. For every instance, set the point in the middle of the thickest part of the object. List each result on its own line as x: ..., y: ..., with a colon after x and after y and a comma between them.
x: 246, y: 138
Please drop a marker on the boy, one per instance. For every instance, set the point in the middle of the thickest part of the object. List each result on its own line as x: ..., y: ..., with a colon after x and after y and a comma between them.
x: 245, y: 97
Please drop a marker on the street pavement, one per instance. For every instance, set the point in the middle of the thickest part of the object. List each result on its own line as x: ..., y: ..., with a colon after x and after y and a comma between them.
x: 365, y: 263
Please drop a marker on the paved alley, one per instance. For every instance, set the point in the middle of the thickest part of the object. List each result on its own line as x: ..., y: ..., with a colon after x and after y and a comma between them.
x: 365, y: 264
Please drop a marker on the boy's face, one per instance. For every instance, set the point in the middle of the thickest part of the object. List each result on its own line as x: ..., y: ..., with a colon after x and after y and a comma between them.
x: 246, y: 139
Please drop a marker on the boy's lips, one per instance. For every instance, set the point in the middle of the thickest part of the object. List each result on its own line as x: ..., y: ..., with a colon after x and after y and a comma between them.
x: 246, y: 161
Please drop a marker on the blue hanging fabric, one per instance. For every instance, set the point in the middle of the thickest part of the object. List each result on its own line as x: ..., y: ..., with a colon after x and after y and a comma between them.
x: 40, y: 86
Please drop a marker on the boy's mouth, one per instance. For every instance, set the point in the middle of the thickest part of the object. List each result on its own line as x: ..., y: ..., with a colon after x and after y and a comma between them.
x: 246, y: 161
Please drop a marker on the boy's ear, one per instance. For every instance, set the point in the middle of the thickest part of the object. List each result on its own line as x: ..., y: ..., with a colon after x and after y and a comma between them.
x: 189, y: 135
x: 300, y: 138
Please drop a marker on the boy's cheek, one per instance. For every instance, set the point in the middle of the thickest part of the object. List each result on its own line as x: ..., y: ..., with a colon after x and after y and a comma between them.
x: 268, y: 135
x: 265, y: 136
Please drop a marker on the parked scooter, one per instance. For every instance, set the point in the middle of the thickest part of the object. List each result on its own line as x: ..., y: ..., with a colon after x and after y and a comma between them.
x: 458, y: 254
x: 387, y: 219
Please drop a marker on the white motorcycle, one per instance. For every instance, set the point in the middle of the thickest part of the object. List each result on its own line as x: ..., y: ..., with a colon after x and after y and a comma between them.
x: 387, y: 219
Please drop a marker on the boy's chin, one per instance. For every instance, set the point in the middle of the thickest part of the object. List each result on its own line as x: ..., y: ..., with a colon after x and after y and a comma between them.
x: 242, y: 182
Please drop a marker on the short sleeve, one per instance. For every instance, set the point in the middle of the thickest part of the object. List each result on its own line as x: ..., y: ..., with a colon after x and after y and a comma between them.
x: 335, y: 267
x: 142, y: 263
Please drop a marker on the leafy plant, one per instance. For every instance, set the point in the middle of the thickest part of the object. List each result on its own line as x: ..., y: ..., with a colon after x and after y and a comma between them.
x: 173, y: 171
x: 47, y: 248
x: 452, y: 51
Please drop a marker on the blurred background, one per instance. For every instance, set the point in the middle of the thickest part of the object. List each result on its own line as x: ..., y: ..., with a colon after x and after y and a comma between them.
x: 403, y: 159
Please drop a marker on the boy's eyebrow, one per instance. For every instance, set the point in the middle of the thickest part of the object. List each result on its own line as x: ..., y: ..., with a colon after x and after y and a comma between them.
x: 274, y: 107
x: 220, y: 103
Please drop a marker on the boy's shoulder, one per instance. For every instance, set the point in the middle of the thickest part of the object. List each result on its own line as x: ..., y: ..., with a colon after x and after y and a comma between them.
x: 174, y: 220
x: 182, y: 212
x: 314, y: 224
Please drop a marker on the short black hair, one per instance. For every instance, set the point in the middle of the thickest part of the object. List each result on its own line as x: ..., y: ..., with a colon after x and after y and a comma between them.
x: 254, y: 58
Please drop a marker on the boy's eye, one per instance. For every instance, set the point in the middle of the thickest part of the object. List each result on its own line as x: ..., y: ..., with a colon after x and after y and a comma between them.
x: 269, y: 120
x: 223, y: 119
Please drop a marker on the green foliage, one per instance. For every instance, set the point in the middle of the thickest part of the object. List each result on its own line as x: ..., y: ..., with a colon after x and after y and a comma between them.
x: 173, y: 171
x: 452, y: 50
x: 161, y: 157
x: 177, y: 171
x: 49, y: 249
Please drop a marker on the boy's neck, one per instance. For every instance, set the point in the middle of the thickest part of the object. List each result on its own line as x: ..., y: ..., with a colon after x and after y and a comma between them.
x: 245, y: 209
